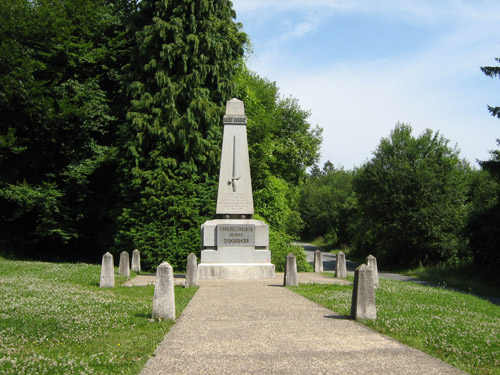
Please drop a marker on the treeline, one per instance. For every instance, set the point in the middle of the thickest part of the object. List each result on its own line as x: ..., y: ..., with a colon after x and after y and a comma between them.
x: 110, y: 128
x: 110, y: 135
x: 416, y: 202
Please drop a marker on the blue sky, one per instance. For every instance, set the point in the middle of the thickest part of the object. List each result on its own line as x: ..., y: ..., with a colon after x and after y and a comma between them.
x: 361, y: 66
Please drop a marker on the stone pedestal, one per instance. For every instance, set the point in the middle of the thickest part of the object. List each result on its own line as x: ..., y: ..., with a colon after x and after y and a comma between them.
x: 235, y: 249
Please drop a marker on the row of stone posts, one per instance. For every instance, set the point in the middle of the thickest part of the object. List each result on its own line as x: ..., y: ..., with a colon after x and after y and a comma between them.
x: 164, y: 296
x: 108, y: 267
x: 340, y: 266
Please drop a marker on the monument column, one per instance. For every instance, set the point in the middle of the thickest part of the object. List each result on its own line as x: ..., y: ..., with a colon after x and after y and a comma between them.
x: 234, y: 245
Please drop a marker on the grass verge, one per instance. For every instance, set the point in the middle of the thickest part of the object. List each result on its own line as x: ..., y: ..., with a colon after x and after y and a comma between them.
x: 464, y: 277
x: 54, y: 319
x: 460, y: 329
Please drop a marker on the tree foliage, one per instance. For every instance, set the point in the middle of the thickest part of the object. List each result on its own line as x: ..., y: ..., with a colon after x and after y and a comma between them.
x: 59, y: 63
x: 483, y: 228
x: 282, y: 145
x: 492, y: 71
x: 412, y: 197
x: 282, y: 141
x: 328, y: 204
x: 180, y: 76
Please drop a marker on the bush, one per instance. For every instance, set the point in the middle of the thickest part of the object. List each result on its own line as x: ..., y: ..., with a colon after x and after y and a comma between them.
x: 281, y: 245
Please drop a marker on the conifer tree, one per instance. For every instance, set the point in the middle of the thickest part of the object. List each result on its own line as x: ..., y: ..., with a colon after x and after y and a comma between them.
x: 180, y: 76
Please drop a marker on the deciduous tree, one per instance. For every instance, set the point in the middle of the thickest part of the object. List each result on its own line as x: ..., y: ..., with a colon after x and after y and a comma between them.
x: 59, y: 65
x: 412, y: 197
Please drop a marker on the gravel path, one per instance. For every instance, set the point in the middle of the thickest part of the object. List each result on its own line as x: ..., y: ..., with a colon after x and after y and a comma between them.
x: 258, y: 327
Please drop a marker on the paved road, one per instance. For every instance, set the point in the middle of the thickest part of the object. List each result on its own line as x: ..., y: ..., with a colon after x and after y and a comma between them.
x: 329, y: 261
x: 258, y: 327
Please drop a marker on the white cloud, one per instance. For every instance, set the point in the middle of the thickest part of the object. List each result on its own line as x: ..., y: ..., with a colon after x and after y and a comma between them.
x: 438, y: 86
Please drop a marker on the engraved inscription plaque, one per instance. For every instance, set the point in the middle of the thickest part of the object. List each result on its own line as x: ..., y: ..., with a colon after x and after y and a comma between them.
x: 242, y: 235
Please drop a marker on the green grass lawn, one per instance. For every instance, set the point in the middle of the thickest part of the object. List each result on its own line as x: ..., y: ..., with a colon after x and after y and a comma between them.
x: 458, y: 328
x: 54, y: 319
x: 463, y: 277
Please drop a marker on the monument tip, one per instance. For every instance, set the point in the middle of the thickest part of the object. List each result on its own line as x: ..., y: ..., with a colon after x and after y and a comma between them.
x: 235, y: 107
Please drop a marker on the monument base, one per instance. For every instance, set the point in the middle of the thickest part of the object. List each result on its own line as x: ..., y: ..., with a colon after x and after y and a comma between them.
x: 214, y: 271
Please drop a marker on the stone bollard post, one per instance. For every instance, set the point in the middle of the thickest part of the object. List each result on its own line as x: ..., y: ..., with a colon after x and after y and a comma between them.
x: 340, y: 267
x: 191, y: 271
x: 107, y: 272
x: 136, y: 261
x: 318, y: 261
x: 371, y: 262
x: 363, y: 294
x: 164, y: 297
x: 124, y: 266
x: 291, y: 277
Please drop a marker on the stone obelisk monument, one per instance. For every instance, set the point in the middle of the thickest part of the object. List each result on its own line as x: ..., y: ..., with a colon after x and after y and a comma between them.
x: 234, y: 246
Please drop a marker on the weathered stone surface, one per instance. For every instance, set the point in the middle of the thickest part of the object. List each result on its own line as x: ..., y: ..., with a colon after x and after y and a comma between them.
x: 107, y: 272
x: 243, y: 271
x: 210, y: 237
x: 136, y: 261
x: 124, y: 265
x: 234, y: 245
x: 164, y: 297
x: 235, y: 186
x: 318, y: 261
x: 363, y: 294
x: 291, y: 278
x: 340, y: 267
x: 371, y: 262
x: 191, y: 271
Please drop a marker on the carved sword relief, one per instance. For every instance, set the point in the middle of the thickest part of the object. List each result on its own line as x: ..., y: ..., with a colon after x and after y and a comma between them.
x: 234, y: 178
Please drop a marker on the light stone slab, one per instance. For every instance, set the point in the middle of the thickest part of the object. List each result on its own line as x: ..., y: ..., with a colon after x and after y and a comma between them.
x: 136, y: 261
x: 291, y: 277
x: 235, y: 255
x: 191, y: 271
x: 340, y: 266
x: 371, y: 262
x: 107, y: 272
x: 124, y: 265
x: 208, y: 271
x: 318, y: 261
x: 209, y: 232
x: 164, y: 297
x: 363, y: 294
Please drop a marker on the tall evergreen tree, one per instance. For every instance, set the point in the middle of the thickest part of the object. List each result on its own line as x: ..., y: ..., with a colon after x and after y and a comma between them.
x: 483, y: 226
x: 180, y: 76
x: 492, y: 71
